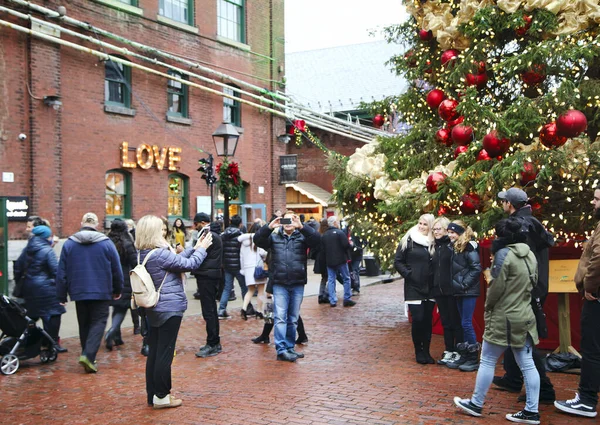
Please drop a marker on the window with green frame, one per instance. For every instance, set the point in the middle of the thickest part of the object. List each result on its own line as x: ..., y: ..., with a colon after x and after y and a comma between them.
x: 231, y: 20
x: 177, y: 10
x: 178, y: 194
x: 129, y: 2
x: 177, y: 94
x: 232, y: 110
x: 117, y: 186
x: 117, y: 83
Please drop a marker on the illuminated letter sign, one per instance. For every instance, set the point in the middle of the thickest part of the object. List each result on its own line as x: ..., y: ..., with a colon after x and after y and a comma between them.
x: 146, y: 156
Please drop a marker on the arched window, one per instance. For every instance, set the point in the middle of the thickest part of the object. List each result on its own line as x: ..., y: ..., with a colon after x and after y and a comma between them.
x: 178, y: 196
x: 117, y: 186
x: 117, y: 84
x: 232, y: 109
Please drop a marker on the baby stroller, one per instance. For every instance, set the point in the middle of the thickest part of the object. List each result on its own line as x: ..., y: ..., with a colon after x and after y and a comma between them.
x: 20, y: 338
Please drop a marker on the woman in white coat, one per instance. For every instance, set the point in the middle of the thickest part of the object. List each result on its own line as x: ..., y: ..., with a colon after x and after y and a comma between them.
x: 252, y: 257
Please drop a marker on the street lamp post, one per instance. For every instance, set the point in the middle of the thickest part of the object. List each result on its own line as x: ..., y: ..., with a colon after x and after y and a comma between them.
x: 226, y: 138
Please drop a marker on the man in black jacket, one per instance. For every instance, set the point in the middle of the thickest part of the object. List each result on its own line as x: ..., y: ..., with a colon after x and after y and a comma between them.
x: 208, y: 277
x: 336, y: 246
x: 231, y: 264
x: 539, y: 240
x: 288, y: 246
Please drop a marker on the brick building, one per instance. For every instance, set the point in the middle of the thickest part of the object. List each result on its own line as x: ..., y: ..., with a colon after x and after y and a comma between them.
x: 121, y: 140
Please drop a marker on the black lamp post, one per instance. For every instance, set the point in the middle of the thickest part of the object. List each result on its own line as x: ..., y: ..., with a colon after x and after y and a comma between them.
x: 226, y: 138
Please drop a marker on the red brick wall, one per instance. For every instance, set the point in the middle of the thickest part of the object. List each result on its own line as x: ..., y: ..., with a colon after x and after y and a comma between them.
x: 62, y: 164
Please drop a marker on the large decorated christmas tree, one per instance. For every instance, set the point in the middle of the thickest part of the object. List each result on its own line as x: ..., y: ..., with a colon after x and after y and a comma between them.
x: 502, y: 93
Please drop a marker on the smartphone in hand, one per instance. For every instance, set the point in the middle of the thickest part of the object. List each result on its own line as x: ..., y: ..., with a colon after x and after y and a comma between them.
x: 285, y: 221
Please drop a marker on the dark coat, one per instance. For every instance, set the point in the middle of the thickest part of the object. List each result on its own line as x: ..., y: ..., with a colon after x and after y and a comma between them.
x: 356, y: 250
x: 442, y: 263
x: 334, y: 243
x: 37, y: 264
x: 211, y: 267
x: 539, y: 241
x: 168, y: 266
x: 231, y: 249
x: 287, y: 253
x: 89, y: 268
x: 466, y: 271
x: 414, y: 264
x: 128, y: 262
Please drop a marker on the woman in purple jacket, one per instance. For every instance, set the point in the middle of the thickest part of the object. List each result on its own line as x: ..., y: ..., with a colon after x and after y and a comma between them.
x: 164, y: 319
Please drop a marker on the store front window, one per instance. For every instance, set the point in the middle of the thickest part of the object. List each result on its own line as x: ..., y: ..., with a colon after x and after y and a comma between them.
x: 178, y: 194
x: 117, y: 187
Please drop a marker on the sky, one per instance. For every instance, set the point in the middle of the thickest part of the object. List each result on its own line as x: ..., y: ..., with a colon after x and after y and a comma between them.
x: 318, y: 24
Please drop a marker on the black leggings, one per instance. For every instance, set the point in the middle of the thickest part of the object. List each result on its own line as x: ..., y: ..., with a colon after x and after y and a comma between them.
x: 453, y: 332
x: 422, y: 318
x: 162, y: 341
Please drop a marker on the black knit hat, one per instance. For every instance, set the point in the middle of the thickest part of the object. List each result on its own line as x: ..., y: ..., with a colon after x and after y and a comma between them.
x: 118, y: 225
x: 202, y: 218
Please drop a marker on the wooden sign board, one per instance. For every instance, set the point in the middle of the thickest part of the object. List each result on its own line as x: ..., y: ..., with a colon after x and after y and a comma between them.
x: 562, y: 276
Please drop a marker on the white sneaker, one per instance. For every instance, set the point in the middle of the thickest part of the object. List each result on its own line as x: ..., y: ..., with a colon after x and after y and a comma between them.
x: 576, y: 407
x: 455, y: 357
x: 166, y: 402
x: 447, y: 357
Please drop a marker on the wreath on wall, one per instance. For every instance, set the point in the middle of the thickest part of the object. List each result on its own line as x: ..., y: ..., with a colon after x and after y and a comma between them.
x: 230, y: 181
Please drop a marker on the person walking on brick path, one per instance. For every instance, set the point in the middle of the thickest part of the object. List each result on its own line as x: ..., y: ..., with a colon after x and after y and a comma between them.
x: 413, y: 262
x: 135, y: 313
x: 539, y: 240
x: 509, y: 321
x: 164, y: 319
x: 587, y: 280
x: 89, y: 271
x: 288, y: 249
x: 208, y: 278
x: 320, y: 265
x: 36, y: 267
x: 465, y: 271
x: 442, y: 291
x: 231, y: 264
x: 252, y: 257
x: 336, y: 246
x: 119, y: 235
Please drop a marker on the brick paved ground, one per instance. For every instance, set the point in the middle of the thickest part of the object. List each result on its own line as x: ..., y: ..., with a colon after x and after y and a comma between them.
x: 359, y: 369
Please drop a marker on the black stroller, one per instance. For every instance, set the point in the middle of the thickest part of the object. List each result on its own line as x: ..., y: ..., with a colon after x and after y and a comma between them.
x: 20, y: 338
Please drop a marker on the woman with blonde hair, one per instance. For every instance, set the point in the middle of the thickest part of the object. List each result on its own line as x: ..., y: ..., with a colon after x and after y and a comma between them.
x: 465, y: 272
x: 413, y: 262
x: 164, y: 319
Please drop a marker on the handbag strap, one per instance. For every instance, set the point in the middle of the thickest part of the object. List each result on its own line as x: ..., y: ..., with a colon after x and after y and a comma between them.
x: 144, y: 264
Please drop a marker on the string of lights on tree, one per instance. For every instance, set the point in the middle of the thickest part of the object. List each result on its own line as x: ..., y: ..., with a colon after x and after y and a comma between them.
x: 501, y: 93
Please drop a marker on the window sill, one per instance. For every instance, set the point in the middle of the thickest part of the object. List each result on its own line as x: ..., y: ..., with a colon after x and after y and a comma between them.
x: 179, y: 120
x: 122, y: 6
x: 176, y: 24
x: 120, y: 110
x: 233, y: 43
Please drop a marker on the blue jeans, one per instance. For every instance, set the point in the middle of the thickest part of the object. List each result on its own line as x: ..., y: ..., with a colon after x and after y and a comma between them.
x: 286, y: 302
x: 466, y: 308
x: 490, y: 353
x: 342, y: 269
x: 229, y: 275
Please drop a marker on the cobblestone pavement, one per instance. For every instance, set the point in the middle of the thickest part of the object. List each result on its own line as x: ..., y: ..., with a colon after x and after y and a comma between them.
x: 359, y: 369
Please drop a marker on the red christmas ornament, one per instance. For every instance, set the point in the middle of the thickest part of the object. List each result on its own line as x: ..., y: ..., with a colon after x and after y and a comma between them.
x: 425, y: 35
x: 521, y: 31
x: 483, y: 155
x: 528, y: 174
x: 571, y: 123
x: 470, y: 203
x: 549, y: 136
x: 410, y: 60
x: 443, y: 210
x: 443, y: 137
x: 462, y: 134
x: 481, y: 67
x: 459, y: 150
x: 447, y: 109
x: 378, y: 120
x: 434, y: 98
x: 448, y: 56
x: 535, y: 75
x: 432, y: 181
x: 455, y: 122
x: 477, y: 80
x: 494, y: 145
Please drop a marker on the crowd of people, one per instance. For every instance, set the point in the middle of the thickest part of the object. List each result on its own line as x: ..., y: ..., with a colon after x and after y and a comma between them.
x: 438, y: 259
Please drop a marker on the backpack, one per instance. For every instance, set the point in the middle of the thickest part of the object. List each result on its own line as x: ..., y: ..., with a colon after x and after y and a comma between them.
x: 143, y: 291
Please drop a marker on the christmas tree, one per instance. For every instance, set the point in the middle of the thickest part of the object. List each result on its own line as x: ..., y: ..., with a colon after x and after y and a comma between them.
x: 502, y: 93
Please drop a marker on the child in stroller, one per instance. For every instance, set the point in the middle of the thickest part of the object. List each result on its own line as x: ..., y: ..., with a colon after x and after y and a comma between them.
x: 20, y: 338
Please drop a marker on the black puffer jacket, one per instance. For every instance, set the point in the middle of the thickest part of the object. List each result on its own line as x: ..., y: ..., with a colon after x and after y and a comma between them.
x: 128, y: 262
x: 539, y: 241
x: 211, y: 267
x: 231, y: 249
x: 466, y: 270
x: 335, y: 245
x: 287, y: 253
x: 442, y: 263
x: 414, y: 264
